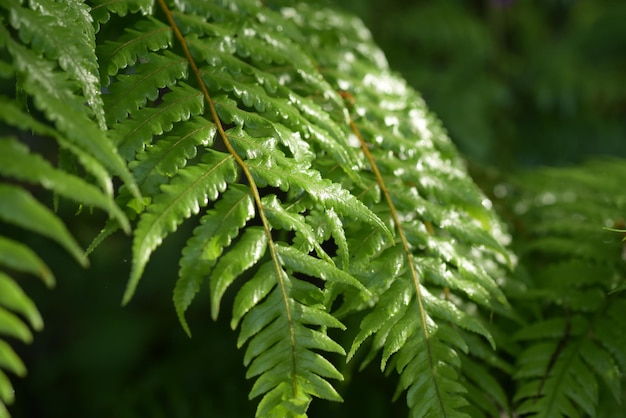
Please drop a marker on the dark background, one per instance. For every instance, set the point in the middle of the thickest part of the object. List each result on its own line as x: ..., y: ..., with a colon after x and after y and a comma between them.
x: 518, y: 84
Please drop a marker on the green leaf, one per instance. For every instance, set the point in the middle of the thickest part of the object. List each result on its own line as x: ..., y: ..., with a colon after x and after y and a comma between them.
x: 280, y: 218
x: 54, y: 94
x: 192, y: 189
x: 102, y: 9
x: 7, y: 394
x: 17, y: 256
x: 601, y: 361
x: 252, y: 292
x: 296, y: 113
x: 542, y: 330
x: 171, y: 153
x: 47, y: 32
x: 109, y: 229
x: 568, y: 384
x: 226, y: 106
x: 14, y: 298
x: 329, y: 195
x: 131, y: 92
x: 12, y: 326
x: 14, y: 156
x: 335, y: 226
x: 240, y: 257
x: 257, y: 126
x: 216, y: 230
x: 448, y: 311
x: 148, y: 35
x: 178, y: 105
x: 10, y: 361
x: 487, y: 385
x: 296, y: 260
x: 20, y: 208
x: 264, y: 312
x: 13, y: 116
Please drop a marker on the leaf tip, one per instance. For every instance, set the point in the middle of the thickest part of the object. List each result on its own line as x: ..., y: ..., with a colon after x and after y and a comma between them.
x: 130, y: 289
x: 47, y: 277
x: 215, y: 311
x: 84, y: 261
x: 185, y: 325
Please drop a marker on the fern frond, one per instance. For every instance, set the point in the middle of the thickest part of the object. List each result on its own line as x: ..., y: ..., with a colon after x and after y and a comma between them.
x: 50, y: 72
x: 559, y: 376
x: 281, y: 218
x: 13, y: 327
x: 220, y: 106
x: 612, y: 339
x: 299, y: 114
x: 258, y: 126
x: 565, y: 362
x: 427, y: 360
x: 443, y: 223
x: 282, y: 343
x: 327, y: 194
x: 571, y: 353
x: 439, y: 388
x: 13, y: 301
x: 322, y: 187
x: 488, y: 397
x: 101, y: 10
x: 252, y: 244
x: 159, y: 122
x: 53, y: 93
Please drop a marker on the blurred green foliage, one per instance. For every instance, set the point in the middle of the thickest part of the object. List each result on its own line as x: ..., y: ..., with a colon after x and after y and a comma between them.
x: 516, y: 82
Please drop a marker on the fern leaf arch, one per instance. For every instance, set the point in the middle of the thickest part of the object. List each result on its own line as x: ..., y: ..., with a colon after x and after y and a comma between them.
x: 230, y: 120
x: 267, y: 167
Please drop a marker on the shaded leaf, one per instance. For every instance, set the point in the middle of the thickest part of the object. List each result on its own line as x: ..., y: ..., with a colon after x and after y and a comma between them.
x: 19, y: 208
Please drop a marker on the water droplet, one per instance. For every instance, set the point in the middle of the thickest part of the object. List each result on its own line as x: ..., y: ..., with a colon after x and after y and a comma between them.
x: 500, y: 191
